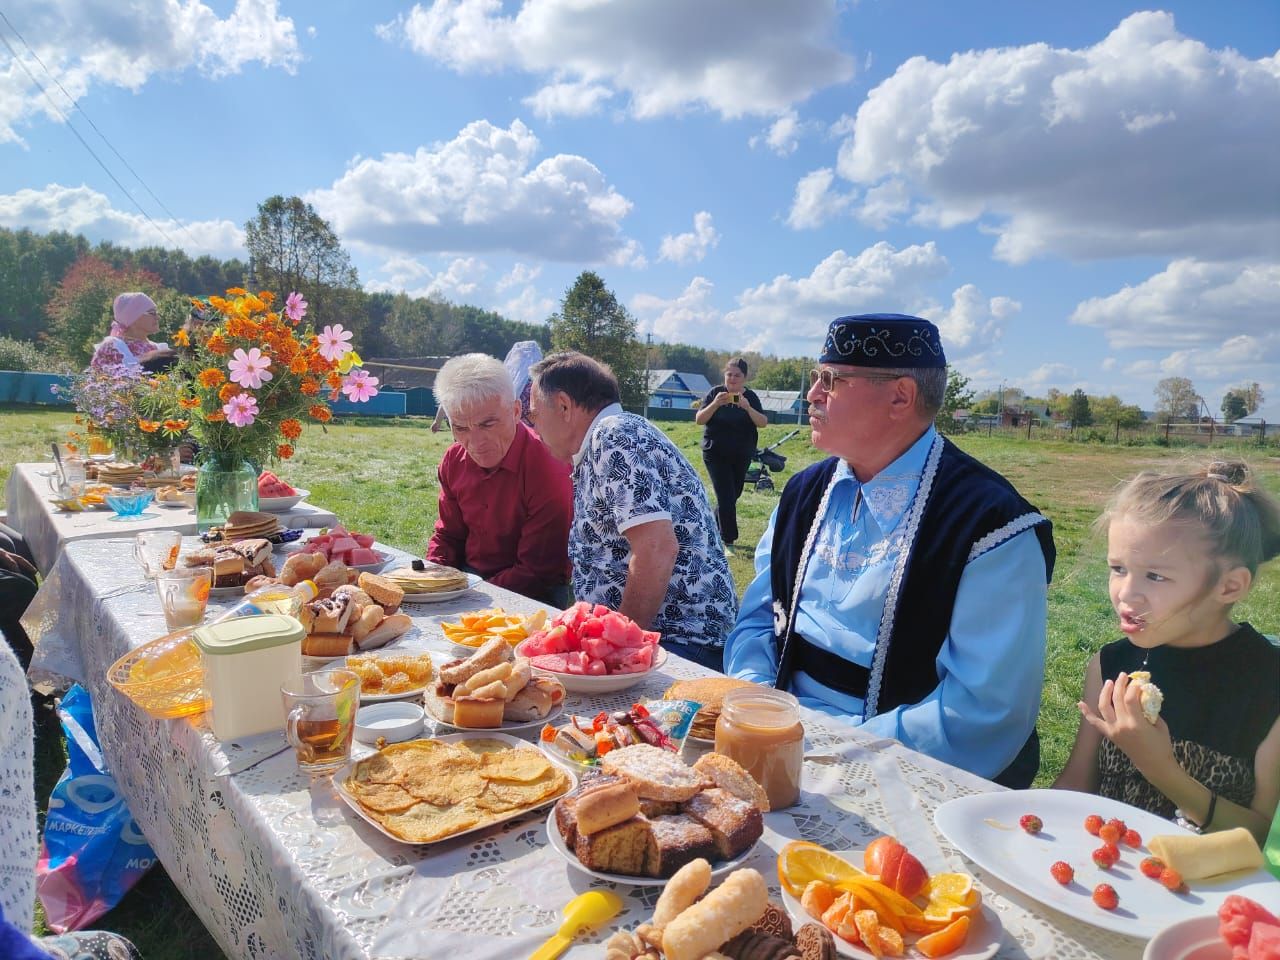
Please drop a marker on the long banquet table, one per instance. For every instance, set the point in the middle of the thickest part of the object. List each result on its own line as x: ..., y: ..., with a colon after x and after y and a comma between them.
x: 48, y: 530
x: 276, y: 866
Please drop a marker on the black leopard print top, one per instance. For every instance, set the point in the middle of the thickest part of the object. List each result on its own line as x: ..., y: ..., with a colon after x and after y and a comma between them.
x: 1220, y: 702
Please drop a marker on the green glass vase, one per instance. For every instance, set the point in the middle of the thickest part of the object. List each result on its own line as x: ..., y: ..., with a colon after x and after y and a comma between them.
x: 221, y: 490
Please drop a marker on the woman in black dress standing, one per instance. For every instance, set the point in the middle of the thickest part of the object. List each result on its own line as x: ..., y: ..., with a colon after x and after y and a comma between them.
x: 731, y: 415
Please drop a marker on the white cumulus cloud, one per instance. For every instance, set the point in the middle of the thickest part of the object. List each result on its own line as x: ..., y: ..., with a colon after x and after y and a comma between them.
x: 664, y: 56
x: 484, y: 191
x: 815, y: 201
x: 460, y: 280
x: 86, y: 44
x: 690, y: 247
x: 1148, y: 142
x: 783, y: 135
x: 84, y: 210
x: 689, y: 317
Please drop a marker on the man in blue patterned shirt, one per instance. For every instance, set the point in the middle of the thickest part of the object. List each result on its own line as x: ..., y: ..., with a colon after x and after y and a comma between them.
x: 643, y: 540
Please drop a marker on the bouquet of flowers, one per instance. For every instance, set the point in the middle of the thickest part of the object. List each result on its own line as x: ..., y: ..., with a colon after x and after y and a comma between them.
x: 253, y: 376
x: 136, y: 411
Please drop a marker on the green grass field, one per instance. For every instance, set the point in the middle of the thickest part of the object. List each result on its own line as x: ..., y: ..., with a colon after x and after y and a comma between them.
x: 379, y: 476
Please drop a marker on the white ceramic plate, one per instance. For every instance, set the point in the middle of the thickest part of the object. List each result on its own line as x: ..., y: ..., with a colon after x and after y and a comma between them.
x: 473, y: 580
x: 610, y: 683
x: 171, y: 504
x: 984, y: 827
x: 340, y: 779
x: 983, y: 940
x: 297, y: 546
x: 507, y: 725
x: 718, y: 870
x: 1195, y: 938
x: 274, y: 504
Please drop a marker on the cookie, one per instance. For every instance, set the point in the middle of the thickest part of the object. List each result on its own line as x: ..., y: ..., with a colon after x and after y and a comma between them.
x: 774, y: 922
x: 815, y: 942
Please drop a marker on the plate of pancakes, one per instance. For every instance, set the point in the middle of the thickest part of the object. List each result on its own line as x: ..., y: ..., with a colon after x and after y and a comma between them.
x: 710, y: 692
x: 434, y: 583
x: 245, y: 525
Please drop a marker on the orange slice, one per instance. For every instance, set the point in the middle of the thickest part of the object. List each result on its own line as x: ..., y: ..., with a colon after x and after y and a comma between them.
x: 947, y: 940
x: 895, y: 901
x: 951, y: 886
x: 947, y: 909
x: 801, y: 862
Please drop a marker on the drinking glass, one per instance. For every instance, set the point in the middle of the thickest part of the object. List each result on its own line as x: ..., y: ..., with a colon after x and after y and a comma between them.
x: 72, y: 482
x: 184, y: 593
x: 156, y: 551
x: 320, y: 717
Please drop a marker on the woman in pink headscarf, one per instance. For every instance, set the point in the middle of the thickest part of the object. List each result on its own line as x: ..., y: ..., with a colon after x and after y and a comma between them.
x: 128, y: 345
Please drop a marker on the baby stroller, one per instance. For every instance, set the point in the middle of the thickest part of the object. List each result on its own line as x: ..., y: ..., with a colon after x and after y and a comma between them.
x: 770, y: 461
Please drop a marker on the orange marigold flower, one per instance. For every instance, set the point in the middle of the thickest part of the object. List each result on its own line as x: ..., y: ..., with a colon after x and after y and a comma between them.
x: 188, y: 403
x: 319, y: 411
x: 216, y: 417
x: 284, y: 451
x: 334, y: 379
x: 181, y: 339
x: 291, y: 428
x: 217, y: 343
x: 309, y: 387
x: 298, y: 365
x: 148, y: 426
x: 266, y: 296
x: 236, y: 291
x: 228, y: 391
x: 173, y: 428
x: 210, y: 377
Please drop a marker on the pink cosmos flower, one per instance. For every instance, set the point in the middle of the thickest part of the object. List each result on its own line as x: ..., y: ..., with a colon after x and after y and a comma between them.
x: 295, y: 308
x: 335, y: 342
x: 250, y: 369
x: 359, y: 386
x: 241, y: 410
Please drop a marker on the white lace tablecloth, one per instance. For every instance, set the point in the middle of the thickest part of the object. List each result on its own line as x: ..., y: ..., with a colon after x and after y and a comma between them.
x: 48, y: 529
x: 276, y: 865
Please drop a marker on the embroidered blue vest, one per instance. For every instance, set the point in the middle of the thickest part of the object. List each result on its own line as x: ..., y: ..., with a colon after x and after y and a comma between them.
x: 961, y: 510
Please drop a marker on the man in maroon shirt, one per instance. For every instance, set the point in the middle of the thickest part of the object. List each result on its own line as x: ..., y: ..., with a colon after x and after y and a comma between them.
x: 505, y: 501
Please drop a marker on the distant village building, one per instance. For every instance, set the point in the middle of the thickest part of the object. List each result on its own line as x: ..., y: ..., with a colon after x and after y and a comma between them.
x: 1265, y: 420
x: 783, y: 403
x: 676, y: 390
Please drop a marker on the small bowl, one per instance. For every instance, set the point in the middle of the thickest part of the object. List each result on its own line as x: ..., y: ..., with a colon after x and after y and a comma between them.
x: 395, y: 720
x: 130, y: 504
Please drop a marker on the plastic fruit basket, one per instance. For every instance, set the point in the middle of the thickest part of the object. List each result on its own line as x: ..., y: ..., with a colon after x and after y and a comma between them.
x: 164, y: 677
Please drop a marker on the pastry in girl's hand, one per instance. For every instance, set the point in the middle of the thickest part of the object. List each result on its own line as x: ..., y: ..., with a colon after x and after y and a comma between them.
x: 1152, y: 697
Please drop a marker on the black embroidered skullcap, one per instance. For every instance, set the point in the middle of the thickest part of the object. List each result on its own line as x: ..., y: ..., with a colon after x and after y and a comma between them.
x: 883, y: 340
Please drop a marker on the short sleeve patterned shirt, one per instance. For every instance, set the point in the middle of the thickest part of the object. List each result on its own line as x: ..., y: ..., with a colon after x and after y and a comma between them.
x: 629, y: 473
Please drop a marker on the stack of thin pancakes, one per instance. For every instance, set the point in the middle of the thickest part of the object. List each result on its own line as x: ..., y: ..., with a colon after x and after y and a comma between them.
x: 433, y: 578
x: 119, y: 474
x: 708, y: 691
x: 248, y: 524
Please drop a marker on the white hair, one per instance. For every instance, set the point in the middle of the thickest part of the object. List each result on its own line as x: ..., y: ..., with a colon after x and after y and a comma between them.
x: 470, y: 379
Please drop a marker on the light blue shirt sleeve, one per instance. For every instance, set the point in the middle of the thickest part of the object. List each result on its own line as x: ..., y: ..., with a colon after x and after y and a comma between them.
x: 991, y: 666
x: 750, y: 652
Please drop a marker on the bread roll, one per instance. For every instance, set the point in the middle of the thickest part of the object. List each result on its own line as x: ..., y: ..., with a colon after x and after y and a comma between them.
x: 493, y: 674
x: 518, y: 679
x: 477, y: 714
x: 332, y: 615
x: 326, y: 645
x: 490, y: 654
x: 362, y: 625
x: 533, y: 702
x: 683, y: 889
x: 1152, y: 698
x: 301, y: 566
x: 354, y: 594
x: 601, y: 809
x: 718, y: 917
x: 392, y: 627
x: 1208, y: 854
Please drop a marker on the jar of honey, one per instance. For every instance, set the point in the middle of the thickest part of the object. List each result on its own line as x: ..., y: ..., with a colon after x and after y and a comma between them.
x: 760, y: 728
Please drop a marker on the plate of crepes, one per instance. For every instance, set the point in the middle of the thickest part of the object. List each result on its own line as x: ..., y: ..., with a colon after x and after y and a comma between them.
x: 477, y: 626
x: 391, y: 675
x: 424, y: 791
x: 492, y: 689
x: 692, y: 919
x: 427, y: 582
x: 1154, y: 872
x: 246, y: 525
x: 592, y: 649
x: 884, y: 902
x: 651, y: 814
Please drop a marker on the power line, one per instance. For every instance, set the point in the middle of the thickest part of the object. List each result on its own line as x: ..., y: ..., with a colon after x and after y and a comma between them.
x: 67, y: 120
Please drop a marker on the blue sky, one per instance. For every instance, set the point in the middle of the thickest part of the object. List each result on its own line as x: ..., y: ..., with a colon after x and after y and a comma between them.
x: 1080, y: 195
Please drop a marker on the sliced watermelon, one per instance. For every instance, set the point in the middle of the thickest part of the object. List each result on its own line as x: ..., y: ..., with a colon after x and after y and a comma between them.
x: 636, y: 660
x: 555, y: 662
x: 364, y: 539
x: 1264, y: 941
x: 591, y: 627
x: 361, y: 556
x: 596, y: 668
x: 576, y: 662
x: 343, y: 544
x: 600, y: 610
x: 597, y: 647
x: 1237, y: 916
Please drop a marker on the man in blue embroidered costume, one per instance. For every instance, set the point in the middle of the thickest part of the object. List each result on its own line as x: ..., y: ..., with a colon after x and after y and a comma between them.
x: 901, y: 583
x: 643, y: 539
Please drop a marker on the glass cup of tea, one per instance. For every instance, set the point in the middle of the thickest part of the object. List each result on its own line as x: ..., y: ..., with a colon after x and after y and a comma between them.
x: 157, y: 551
x: 184, y: 593
x: 320, y: 717
x: 71, y: 482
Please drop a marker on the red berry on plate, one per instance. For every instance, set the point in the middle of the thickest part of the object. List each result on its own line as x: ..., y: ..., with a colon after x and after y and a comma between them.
x: 1132, y: 838
x: 1170, y: 878
x: 1152, y: 867
x: 1104, y: 895
x: 1118, y: 824
x: 1110, y: 833
x: 1105, y: 857
x: 1062, y: 872
x: 1031, y: 823
x: 1092, y: 824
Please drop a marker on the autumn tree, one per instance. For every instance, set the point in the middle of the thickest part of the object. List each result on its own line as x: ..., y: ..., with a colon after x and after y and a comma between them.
x: 1176, y: 399
x: 592, y: 321
x: 291, y: 247
x: 957, y: 396
x: 1242, y: 401
x: 80, y: 307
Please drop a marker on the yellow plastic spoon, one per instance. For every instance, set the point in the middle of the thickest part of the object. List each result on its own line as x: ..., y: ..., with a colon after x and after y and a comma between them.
x: 584, y: 912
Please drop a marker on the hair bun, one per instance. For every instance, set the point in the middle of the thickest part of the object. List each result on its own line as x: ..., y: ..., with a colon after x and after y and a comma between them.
x: 1234, y: 472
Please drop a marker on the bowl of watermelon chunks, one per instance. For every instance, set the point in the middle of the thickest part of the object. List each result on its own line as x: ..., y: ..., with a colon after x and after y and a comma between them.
x: 592, y: 649
x: 274, y: 494
x: 354, y: 549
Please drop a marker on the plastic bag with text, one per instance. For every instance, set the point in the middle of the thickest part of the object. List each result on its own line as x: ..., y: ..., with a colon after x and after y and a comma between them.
x: 91, y: 852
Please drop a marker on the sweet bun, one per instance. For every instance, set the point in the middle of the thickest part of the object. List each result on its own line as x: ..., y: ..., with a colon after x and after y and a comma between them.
x: 396, y: 625
x: 440, y: 703
x: 260, y: 581
x: 363, y: 624
x: 354, y: 594
x: 732, y: 778
x: 717, y: 918
x: 472, y: 712
x: 326, y: 645
x: 534, y: 701
x: 490, y: 654
x: 301, y: 566
x: 331, y: 576
x: 518, y: 679
x: 385, y: 593
x: 495, y: 674
x: 333, y: 614
x: 1151, y: 696
x: 600, y: 809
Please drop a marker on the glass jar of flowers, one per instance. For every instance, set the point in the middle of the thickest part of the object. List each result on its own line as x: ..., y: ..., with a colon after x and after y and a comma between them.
x: 251, y: 377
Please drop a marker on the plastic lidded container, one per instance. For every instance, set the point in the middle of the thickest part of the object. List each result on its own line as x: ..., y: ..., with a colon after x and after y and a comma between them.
x: 760, y: 728
x: 245, y: 662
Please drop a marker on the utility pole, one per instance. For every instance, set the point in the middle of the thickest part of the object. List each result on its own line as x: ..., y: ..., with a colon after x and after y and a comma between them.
x: 648, y: 342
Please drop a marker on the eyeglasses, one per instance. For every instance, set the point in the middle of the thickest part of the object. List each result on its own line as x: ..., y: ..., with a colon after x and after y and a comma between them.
x: 829, y: 377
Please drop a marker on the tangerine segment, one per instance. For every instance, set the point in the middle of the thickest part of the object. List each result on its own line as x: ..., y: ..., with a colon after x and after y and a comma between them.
x: 868, y: 924
x: 950, y: 886
x: 947, y: 940
x: 947, y: 910
x: 801, y: 861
